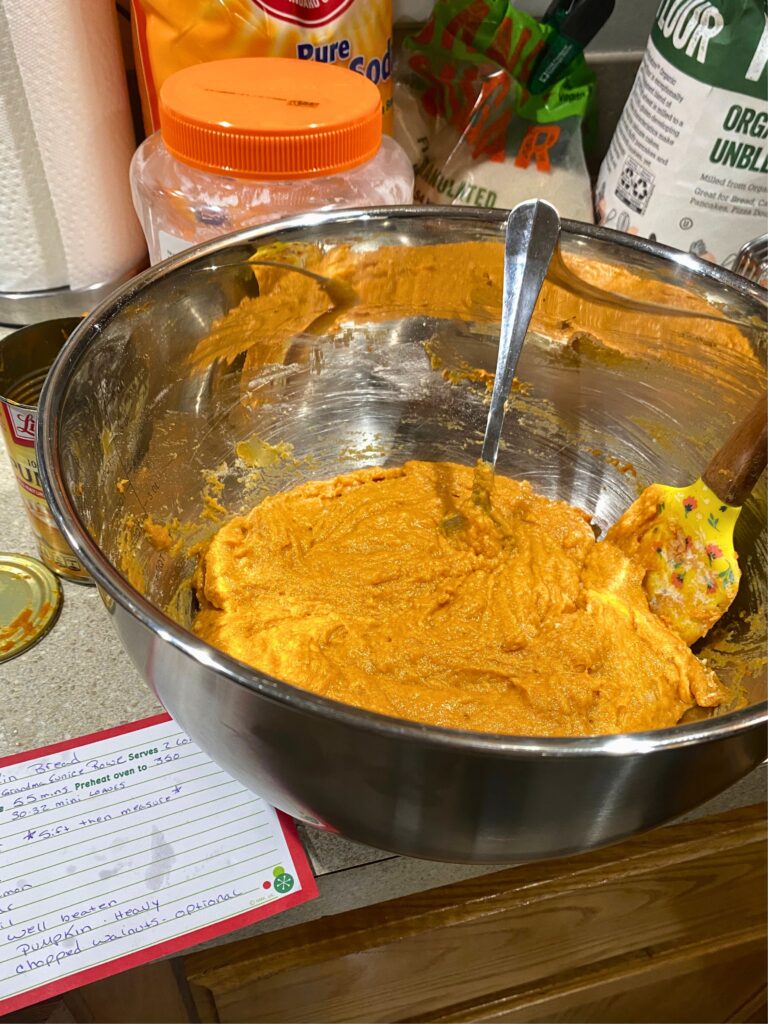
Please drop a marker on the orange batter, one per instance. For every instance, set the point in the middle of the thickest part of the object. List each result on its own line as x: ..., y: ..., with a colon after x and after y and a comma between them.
x: 397, y: 281
x: 514, y: 623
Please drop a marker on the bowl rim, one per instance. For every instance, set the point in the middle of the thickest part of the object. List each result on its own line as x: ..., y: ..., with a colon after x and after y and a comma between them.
x: 110, y: 581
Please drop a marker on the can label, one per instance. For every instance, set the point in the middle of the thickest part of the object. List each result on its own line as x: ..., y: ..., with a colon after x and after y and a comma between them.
x: 19, y: 425
x: 22, y: 424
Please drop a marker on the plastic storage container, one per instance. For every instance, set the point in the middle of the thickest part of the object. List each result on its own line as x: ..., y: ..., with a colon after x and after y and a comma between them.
x: 255, y: 139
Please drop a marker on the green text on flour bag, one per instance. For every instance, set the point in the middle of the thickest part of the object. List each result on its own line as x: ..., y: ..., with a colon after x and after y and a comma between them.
x: 688, y: 163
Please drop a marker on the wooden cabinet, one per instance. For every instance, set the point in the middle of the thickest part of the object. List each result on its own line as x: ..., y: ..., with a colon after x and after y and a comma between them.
x: 669, y: 926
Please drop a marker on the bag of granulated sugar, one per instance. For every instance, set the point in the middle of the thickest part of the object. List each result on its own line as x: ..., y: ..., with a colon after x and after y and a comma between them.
x: 688, y: 163
x: 475, y: 134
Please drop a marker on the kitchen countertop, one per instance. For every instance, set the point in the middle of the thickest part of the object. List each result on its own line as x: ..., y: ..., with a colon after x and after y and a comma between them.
x: 78, y: 679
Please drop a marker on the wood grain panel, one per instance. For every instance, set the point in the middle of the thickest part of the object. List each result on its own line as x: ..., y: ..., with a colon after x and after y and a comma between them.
x: 700, y: 982
x: 755, y: 1009
x: 689, y: 885
x: 155, y: 992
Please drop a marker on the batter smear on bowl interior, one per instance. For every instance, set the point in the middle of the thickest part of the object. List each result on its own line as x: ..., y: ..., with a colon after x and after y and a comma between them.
x: 519, y: 622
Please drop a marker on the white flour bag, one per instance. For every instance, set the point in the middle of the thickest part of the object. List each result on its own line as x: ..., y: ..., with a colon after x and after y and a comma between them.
x: 688, y: 163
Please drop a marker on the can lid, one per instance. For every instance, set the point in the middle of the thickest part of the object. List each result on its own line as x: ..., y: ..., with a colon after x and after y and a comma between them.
x: 30, y: 602
x: 270, y: 117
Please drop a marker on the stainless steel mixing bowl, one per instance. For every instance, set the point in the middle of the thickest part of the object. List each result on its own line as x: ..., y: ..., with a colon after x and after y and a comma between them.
x: 129, y: 430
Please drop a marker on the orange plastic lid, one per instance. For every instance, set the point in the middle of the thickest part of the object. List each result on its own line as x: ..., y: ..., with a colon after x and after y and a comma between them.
x: 270, y: 117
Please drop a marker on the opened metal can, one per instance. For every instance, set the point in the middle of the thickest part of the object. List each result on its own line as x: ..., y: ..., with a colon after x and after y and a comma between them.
x: 26, y: 356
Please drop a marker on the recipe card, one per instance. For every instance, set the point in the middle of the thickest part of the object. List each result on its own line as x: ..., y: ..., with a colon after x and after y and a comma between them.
x: 127, y: 845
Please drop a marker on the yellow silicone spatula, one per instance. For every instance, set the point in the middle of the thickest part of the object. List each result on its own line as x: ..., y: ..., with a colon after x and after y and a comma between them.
x: 684, y: 535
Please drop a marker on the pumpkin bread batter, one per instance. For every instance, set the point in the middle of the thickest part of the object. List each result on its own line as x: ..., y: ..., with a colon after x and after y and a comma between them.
x: 398, y: 281
x: 516, y: 622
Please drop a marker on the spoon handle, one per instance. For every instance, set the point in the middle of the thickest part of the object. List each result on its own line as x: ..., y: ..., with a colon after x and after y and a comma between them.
x: 532, y: 233
x: 734, y: 469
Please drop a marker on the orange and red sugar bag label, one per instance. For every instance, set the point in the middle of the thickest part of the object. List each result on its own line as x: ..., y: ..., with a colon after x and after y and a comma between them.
x: 173, y: 34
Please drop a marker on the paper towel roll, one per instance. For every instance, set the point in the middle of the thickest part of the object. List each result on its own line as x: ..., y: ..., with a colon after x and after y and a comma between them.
x: 66, y: 141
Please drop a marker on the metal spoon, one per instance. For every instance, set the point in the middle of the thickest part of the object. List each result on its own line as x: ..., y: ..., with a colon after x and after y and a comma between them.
x: 532, y: 234
x: 531, y: 238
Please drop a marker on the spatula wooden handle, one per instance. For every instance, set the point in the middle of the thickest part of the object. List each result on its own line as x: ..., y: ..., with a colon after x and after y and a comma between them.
x: 734, y: 469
